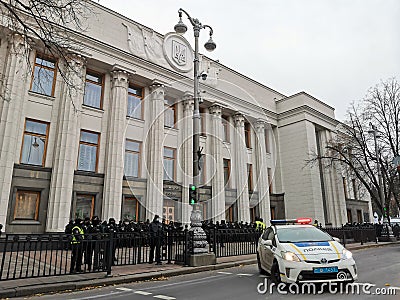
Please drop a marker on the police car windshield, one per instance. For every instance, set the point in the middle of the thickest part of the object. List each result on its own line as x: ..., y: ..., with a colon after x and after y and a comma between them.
x: 301, y: 234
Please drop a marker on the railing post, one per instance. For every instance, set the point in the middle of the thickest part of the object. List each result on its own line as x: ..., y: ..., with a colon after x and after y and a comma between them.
x: 344, y: 236
x: 110, y: 253
x: 169, y: 245
x: 361, y: 235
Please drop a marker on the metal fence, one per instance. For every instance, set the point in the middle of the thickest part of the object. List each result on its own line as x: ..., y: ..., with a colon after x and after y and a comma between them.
x: 233, y: 242
x: 25, y: 256
x: 353, y: 234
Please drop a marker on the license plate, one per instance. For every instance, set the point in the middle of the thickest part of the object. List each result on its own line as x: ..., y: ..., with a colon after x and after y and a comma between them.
x: 326, y: 270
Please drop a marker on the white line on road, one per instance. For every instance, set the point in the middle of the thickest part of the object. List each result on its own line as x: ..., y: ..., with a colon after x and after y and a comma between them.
x: 187, y: 282
x: 164, y: 297
x: 243, y: 274
x: 123, y: 289
x: 111, y: 295
x: 225, y: 273
x: 143, y: 293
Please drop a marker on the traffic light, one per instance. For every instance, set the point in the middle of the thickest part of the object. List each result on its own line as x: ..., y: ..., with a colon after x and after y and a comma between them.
x: 192, y: 194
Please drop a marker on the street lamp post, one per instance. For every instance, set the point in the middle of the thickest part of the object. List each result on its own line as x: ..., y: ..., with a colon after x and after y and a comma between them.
x: 200, y: 239
x: 376, y: 135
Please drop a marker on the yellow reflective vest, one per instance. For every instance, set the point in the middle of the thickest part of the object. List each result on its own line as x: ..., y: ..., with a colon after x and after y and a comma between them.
x: 74, y: 240
x: 260, y: 225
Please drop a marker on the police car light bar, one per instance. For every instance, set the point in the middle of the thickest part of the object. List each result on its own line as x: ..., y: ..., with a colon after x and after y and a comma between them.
x: 291, y: 221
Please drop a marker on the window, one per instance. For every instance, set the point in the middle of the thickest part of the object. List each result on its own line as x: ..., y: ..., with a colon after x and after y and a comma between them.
x: 359, y: 216
x: 44, y: 75
x: 130, y: 209
x: 344, y: 187
x: 88, y: 150
x: 84, y: 207
x: 27, y: 205
x: 225, y: 124
x: 253, y: 213
x: 203, y: 121
x: 250, y: 177
x: 267, y: 143
x: 269, y: 172
x: 169, y: 163
x: 247, y: 134
x: 349, y: 216
x: 168, y: 211
x: 353, y: 181
x: 34, y: 144
x: 93, y: 90
x: 227, y: 171
x: 132, y: 158
x: 169, y: 113
x: 135, y: 97
x: 229, y: 213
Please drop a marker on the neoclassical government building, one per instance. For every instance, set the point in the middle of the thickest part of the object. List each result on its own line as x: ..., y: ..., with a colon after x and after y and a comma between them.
x: 116, y: 141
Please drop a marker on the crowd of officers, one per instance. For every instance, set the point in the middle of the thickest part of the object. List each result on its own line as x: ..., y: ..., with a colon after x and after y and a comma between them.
x: 88, y: 246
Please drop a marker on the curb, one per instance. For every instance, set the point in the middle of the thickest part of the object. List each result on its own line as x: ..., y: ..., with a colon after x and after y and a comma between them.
x: 360, y: 247
x: 72, y: 286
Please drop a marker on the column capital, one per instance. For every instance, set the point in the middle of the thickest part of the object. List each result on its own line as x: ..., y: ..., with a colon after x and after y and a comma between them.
x: 259, y: 125
x: 238, y: 119
x: 187, y: 102
x: 215, y: 109
x: 19, y: 43
x: 119, y: 78
x: 157, y: 89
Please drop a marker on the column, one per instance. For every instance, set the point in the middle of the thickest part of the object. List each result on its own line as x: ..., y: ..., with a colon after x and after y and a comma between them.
x: 242, y: 195
x: 186, y: 157
x: 17, y: 74
x: 154, y: 140
x: 66, y: 147
x: 114, y: 168
x: 262, y: 173
x: 217, y: 180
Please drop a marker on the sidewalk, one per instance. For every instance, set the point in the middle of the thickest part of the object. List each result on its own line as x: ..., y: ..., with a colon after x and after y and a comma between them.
x: 127, y: 274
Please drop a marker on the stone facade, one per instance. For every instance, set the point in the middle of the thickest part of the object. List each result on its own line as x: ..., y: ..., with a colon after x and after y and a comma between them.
x: 255, y: 140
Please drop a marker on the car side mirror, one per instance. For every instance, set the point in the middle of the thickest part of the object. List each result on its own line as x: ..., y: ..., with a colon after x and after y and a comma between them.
x: 336, y: 239
x: 266, y: 242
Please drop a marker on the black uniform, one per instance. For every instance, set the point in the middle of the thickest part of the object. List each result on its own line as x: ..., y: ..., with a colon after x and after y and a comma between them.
x: 156, y: 235
x: 76, y: 247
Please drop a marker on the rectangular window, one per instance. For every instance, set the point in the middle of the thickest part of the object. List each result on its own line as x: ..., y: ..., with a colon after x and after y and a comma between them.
x: 269, y: 172
x: 88, y: 150
x: 349, y: 216
x: 27, y: 205
x: 132, y: 158
x: 229, y: 213
x: 353, y: 181
x: 135, y: 98
x: 169, y: 113
x: 344, y: 187
x: 267, y: 143
x: 34, y: 144
x: 250, y: 177
x: 44, y: 75
x: 169, y: 163
x: 93, y: 90
x: 359, y: 216
x: 130, y: 209
x: 247, y: 134
x: 84, y: 207
x: 227, y: 171
x: 225, y: 124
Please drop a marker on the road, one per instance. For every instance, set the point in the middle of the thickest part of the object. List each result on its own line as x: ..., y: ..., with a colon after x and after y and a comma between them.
x: 377, y: 266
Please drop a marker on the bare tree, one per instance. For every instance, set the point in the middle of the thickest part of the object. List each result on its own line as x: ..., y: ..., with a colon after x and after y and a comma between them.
x: 353, y: 147
x: 49, y: 25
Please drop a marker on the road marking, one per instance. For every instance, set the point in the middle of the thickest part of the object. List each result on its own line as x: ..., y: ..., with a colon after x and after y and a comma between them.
x: 110, y: 295
x: 225, y: 273
x: 123, y: 289
x: 188, y: 282
x: 243, y: 274
x: 164, y: 297
x: 142, y: 293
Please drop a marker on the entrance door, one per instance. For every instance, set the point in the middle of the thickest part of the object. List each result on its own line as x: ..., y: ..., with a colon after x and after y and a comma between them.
x: 168, y: 211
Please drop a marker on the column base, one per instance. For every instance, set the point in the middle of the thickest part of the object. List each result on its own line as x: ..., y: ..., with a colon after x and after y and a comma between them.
x: 204, y: 259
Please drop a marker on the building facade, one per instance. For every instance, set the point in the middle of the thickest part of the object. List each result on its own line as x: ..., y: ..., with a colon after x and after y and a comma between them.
x: 116, y: 140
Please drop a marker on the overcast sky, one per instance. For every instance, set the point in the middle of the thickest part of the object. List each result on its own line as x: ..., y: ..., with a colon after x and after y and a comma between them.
x: 334, y: 50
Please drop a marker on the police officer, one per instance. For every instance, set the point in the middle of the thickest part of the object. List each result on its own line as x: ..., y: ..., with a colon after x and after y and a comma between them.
x: 156, y: 233
x: 88, y: 244
x: 260, y: 225
x: 77, y: 237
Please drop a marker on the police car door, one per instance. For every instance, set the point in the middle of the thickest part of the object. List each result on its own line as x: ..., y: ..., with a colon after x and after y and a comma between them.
x: 267, y: 250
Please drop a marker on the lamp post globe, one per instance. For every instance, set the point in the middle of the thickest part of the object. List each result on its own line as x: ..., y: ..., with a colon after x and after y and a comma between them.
x: 210, y: 45
x: 180, y: 28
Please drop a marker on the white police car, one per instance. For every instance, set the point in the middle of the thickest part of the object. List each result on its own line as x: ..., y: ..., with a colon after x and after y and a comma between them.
x: 295, y: 251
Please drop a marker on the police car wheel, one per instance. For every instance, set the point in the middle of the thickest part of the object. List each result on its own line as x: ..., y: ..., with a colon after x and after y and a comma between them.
x: 260, y: 269
x: 275, y: 273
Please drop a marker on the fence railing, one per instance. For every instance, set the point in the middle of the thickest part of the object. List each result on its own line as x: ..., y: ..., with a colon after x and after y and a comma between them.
x: 353, y: 234
x: 26, y: 256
